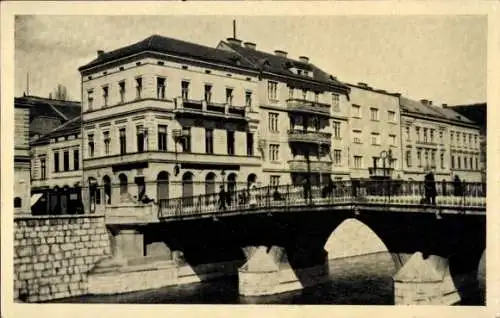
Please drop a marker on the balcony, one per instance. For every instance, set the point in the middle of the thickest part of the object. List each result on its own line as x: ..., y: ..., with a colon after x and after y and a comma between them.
x: 299, y: 135
x: 190, y: 107
x: 141, y: 159
x: 301, y: 165
x: 305, y: 106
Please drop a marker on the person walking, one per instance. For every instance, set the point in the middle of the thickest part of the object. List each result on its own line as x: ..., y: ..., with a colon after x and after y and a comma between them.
x: 457, y: 186
x: 430, y: 188
x: 253, y: 195
x: 222, y: 198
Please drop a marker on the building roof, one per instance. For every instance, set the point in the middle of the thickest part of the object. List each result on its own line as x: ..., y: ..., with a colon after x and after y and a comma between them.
x: 281, y: 65
x: 166, y: 45
x: 70, y: 127
x: 46, y: 107
x: 417, y: 107
x: 476, y: 112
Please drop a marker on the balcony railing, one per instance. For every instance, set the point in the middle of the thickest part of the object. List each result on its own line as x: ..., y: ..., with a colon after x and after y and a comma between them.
x: 300, y: 135
x: 303, y: 105
x: 302, y: 165
x: 209, y: 108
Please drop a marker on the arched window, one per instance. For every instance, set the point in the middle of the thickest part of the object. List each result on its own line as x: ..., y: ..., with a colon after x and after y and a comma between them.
x: 17, y: 202
x: 252, y: 178
x: 123, y: 186
x: 162, y: 186
x: 210, y: 188
x: 107, y: 189
x: 94, y: 194
x: 231, y: 183
x: 187, y: 188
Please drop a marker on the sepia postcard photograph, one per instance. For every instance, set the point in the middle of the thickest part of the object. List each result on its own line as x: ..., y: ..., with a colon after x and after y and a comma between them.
x: 296, y: 157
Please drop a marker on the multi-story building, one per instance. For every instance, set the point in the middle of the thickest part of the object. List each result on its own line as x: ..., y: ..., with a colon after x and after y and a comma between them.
x: 56, y: 170
x: 303, y: 116
x: 374, y: 127
x: 440, y: 139
x: 165, y: 110
x: 21, y: 158
x: 476, y: 113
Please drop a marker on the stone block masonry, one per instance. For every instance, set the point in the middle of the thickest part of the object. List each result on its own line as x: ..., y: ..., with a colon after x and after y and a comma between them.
x: 53, y: 254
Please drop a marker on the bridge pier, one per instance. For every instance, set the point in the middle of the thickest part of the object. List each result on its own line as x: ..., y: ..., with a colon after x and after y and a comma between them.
x: 269, y: 271
x: 425, y: 280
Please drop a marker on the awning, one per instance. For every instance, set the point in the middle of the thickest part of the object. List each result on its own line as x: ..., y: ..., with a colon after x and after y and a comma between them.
x: 35, y: 197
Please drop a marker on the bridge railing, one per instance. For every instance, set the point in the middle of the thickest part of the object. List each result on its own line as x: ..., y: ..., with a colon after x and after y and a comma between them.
x: 338, y: 192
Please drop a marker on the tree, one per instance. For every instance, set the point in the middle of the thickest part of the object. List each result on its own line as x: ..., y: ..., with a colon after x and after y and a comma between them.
x: 61, y: 92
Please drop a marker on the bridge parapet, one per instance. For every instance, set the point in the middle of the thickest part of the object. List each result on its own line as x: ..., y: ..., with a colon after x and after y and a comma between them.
x: 394, y: 193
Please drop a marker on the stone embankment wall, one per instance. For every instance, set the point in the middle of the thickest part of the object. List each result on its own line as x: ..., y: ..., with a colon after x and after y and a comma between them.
x: 53, y: 254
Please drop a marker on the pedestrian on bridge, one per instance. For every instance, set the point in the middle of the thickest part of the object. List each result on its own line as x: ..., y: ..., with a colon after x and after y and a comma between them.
x: 430, y: 188
x: 222, y: 198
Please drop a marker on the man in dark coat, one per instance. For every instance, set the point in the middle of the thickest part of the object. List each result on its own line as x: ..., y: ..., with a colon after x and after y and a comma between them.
x: 222, y: 198
x: 457, y: 186
x: 430, y: 188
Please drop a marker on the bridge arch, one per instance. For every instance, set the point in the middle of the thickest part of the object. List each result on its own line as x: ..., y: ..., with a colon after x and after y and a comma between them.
x: 353, y: 237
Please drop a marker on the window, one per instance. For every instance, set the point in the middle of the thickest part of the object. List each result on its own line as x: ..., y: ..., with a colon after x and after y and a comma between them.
x: 419, y: 157
x: 304, y: 94
x: 426, y: 154
x: 374, y: 114
x: 441, y: 137
x: 122, y: 91
x: 335, y: 102
x: 43, y: 169
x: 140, y: 138
x: 274, y: 152
x: 66, y: 161
x: 208, y: 93
x: 336, y: 129
x: 249, y: 144
x: 106, y: 142
x: 417, y: 131
x: 273, y: 122
x: 452, y: 140
x: 425, y: 134
x: 432, y: 135
x: 272, y: 90
x: 123, y: 141
x: 248, y: 99
x: 56, y: 161
x: 90, y: 98
x: 162, y: 137
x: 391, y: 115
x: 392, y: 140
x: 290, y: 92
x: 356, y: 134
x: 375, y: 139
x: 477, y: 164
x: 459, y: 162
x: 230, y: 143
x: 465, y: 139
x: 91, y: 145
x: 475, y: 141
x: 274, y: 181
x: 408, y: 136
x: 470, y: 163
x: 441, y: 160
x: 356, y: 111
x: 17, y: 202
x: 76, y: 159
x: 316, y: 97
x: 209, y: 140
x: 138, y: 88
x: 229, y: 96
x: 160, y: 87
x: 105, y: 94
x: 408, y: 158
x: 185, y: 90
x: 465, y: 162
x: 186, y: 141
x: 315, y: 122
x: 433, y: 158
x: 337, y: 156
x: 458, y: 138
x: 358, y: 162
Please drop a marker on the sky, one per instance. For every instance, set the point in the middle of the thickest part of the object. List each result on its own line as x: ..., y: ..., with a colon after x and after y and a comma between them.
x: 439, y: 58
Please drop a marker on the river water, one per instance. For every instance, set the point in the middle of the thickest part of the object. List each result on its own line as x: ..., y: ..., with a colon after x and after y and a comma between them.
x: 356, y: 280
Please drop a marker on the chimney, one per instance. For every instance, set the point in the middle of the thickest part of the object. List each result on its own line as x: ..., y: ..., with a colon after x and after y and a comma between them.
x: 304, y: 59
x: 424, y: 101
x: 250, y: 45
x: 397, y: 94
x: 234, y: 41
x: 445, y: 105
x: 363, y: 84
x: 280, y: 53
x: 99, y: 53
x: 429, y: 103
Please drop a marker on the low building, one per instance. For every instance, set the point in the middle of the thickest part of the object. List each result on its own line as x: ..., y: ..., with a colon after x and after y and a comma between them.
x: 56, y: 175
x: 21, y: 159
